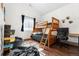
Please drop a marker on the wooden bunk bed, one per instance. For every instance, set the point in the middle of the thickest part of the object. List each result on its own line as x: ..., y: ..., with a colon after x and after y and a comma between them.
x: 49, y: 29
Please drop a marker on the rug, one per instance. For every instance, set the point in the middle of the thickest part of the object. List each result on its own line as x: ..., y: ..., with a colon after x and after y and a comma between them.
x: 35, y: 44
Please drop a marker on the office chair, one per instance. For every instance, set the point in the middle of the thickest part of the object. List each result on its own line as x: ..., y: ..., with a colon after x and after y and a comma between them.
x: 62, y: 36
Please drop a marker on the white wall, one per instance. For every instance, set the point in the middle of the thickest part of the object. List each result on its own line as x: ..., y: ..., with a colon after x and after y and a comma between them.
x: 71, y: 10
x: 13, y: 17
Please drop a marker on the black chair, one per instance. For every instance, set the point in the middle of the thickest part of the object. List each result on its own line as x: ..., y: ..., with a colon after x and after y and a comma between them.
x: 62, y: 36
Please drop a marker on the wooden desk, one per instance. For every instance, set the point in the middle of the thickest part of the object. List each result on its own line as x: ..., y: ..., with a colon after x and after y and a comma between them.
x: 76, y: 35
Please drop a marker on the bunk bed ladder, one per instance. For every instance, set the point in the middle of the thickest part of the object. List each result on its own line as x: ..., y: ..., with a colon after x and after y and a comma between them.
x: 44, y: 38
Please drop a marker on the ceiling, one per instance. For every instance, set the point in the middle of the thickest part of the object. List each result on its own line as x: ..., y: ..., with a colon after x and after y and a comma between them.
x: 40, y: 8
x: 43, y: 8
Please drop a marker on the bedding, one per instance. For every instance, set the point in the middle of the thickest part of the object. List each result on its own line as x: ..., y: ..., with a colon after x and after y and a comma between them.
x: 37, y: 36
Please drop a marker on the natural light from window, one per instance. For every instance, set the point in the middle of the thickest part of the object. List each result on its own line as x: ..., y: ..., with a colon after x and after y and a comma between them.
x: 28, y: 23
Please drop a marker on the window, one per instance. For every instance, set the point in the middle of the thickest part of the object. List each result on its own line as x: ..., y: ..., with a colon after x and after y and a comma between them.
x: 28, y: 23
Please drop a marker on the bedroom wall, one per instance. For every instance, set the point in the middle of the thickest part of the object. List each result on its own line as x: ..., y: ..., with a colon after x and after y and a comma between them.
x: 13, y: 17
x: 71, y: 10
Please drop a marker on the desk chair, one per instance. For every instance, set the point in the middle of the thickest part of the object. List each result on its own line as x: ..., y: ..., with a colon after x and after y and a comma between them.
x: 62, y: 36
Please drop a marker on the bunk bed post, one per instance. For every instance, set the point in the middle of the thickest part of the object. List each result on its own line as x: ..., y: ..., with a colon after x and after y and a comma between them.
x: 54, y: 27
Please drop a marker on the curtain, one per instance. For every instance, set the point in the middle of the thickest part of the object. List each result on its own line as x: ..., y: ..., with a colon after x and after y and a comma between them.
x: 22, y: 28
x: 34, y: 23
